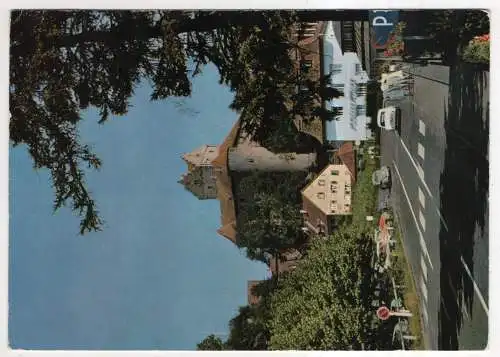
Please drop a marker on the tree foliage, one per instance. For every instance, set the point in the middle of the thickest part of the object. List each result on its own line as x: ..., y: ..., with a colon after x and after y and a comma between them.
x: 249, y: 329
x: 269, y: 220
x: 211, y: 343
x: 62, y: 62
x: 268, y: 226
x: 451, y: 30
x: 323, y: 304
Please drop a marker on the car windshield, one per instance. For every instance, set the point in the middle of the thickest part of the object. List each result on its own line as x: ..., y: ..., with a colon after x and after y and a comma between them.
x: 382, y: 118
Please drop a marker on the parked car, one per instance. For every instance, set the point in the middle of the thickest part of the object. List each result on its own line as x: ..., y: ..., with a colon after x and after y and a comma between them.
x: 387, y: 117
x: 384, y: 200
x: 382, y: 177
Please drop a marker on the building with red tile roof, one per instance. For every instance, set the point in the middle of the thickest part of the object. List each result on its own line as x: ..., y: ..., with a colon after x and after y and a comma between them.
x: 330, y: 193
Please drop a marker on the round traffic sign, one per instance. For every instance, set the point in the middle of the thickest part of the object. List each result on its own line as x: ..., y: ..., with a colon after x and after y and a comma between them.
x: 383, y: 313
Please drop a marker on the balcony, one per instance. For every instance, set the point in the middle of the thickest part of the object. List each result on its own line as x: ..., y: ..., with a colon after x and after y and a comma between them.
x: 309, y: 227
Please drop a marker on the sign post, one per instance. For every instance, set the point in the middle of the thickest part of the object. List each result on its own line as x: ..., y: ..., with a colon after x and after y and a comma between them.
x: 384, y: 313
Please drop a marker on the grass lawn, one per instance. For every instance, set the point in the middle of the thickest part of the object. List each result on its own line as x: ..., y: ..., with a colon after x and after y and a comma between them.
x: 403, y: 276
x: 364, y: 196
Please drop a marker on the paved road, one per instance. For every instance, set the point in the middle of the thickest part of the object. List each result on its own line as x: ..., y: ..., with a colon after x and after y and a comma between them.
x: 439, y: 161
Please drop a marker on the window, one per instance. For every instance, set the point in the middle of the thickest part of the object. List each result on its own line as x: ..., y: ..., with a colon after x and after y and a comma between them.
x: 360, y: 110
x: 382, y: 119
x: 321, y: 182
x: 210, y: 187
x: 305, y: 65
x: 335, y: 172
x: 335, y: 68
x: 321, y: 195
x: 337, y: 110
x: 360, y: 90
x: 303, y: 88
x: 338, y: 86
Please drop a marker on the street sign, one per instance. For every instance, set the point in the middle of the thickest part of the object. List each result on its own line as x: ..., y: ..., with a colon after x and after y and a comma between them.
x: 383, y: 313
x: 382, y: 23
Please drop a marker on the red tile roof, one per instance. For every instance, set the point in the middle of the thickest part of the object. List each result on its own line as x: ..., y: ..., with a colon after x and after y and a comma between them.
x: 224, y: 187
x: 347, y: 155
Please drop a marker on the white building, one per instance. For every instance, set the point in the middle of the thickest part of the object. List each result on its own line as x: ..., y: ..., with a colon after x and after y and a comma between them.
x: 348, y: 76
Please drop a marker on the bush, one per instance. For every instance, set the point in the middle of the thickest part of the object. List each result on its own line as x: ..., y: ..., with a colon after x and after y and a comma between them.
x: 477, y: 51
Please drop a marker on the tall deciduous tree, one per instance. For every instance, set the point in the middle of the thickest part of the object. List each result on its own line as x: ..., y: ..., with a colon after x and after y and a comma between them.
x: 324, y: 304
x: 269, y: 220
x: 273, y: 226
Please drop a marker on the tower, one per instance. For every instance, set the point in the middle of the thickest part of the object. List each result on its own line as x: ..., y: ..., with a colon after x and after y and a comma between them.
x: 200, y: 177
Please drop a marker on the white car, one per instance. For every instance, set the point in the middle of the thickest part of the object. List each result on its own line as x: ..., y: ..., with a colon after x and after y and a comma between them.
x: 387, y: 117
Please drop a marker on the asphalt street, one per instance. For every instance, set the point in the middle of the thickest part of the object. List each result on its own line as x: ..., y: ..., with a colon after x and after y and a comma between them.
x: 439, y: 162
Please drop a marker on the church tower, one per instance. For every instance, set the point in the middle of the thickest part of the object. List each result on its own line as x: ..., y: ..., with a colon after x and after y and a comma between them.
x: 200, y: 176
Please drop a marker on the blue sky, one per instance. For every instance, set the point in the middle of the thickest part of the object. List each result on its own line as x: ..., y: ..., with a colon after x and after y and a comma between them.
x: 158, y: 276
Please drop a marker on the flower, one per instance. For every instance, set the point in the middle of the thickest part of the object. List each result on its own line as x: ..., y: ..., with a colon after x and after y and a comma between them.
x: 482, y: 38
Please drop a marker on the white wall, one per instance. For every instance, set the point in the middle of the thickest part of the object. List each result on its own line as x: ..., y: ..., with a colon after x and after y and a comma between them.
x: 349, y: 126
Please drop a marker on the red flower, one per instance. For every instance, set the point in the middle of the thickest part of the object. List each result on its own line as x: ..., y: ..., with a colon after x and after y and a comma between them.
x: 482, y: 38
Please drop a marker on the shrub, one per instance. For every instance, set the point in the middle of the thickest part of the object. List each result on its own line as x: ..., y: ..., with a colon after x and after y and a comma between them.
x: 478, y: 50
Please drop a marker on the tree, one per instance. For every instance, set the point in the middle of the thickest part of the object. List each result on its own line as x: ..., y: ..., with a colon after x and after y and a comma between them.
x: 62, y: 62
x: 247, y: 330
x: 324, y: 303
x: 308, y: 100
x: 211, y: 343
x: 273, y: 226
x: 450, y: 30
x: 269, y: 216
